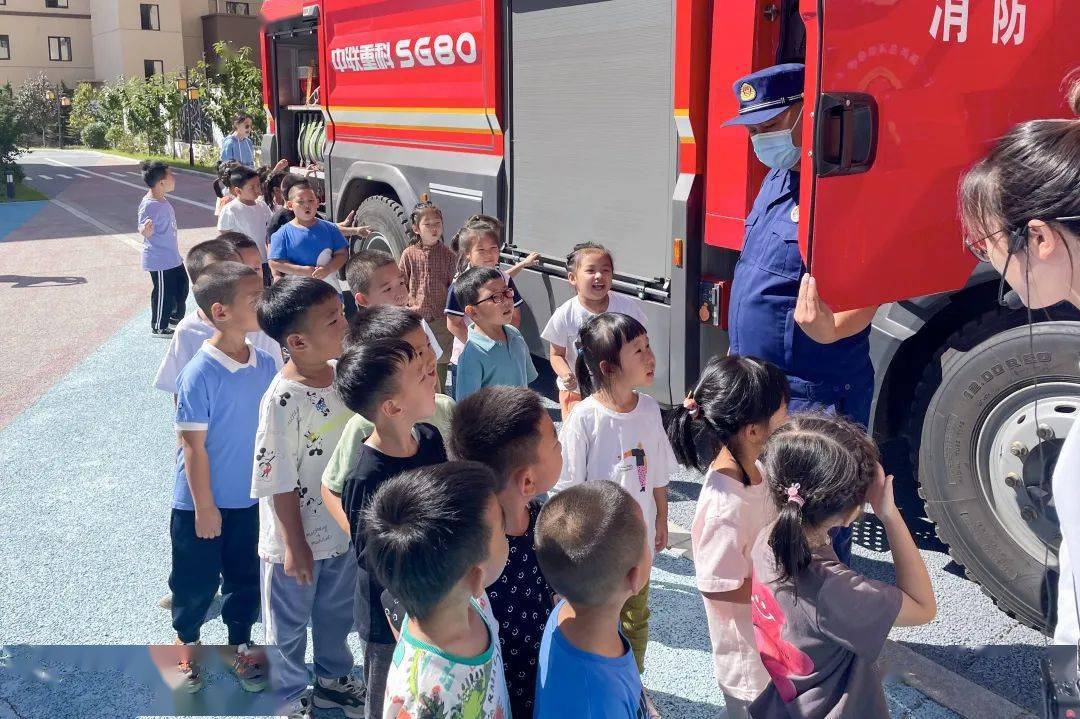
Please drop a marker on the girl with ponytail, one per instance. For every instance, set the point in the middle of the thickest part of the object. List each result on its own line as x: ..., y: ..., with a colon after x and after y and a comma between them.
x: 736, y: 405
x: 616, y: 433
x: 819, y: 625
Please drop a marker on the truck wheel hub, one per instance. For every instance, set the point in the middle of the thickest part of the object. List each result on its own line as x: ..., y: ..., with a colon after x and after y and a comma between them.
x: 1017, y: 449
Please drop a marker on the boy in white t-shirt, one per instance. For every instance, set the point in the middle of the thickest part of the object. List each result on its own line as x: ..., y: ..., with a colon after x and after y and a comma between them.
x: 193, y: 330
x: 589, y: 268
x: 308, y: 569
x: 247, y: 214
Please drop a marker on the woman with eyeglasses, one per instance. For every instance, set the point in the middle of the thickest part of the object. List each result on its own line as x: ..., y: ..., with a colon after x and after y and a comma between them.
x: 237, y: 145
x: 1020, y: 207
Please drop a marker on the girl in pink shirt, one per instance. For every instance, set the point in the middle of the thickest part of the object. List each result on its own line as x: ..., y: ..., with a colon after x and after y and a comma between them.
x: 737, y: 404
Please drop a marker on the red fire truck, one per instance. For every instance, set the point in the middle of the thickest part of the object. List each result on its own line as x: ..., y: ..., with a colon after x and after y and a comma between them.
x: 601, y: 120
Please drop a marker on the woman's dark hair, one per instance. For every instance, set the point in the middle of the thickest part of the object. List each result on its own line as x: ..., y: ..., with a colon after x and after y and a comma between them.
x: 240, y: 117
x: 832, y: 463
x: 600, y: 340
x: 731, y: 393
x: 1032, y: 173
x: 419, y: 210
x: 241, y: 174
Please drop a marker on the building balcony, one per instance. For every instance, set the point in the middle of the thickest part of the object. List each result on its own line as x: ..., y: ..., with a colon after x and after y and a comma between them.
x: 234, y: 22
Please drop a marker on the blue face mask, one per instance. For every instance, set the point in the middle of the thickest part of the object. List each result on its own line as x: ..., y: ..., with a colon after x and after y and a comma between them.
x: 776, y: 149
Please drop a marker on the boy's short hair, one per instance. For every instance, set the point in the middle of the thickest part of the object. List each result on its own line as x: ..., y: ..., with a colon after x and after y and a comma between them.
x: 585, y: 248
x: 498, y: 426
x: 468, y: 284
x: 209, y: 253
x: 587, y: 540
x: 362, y: 266
x: 153, y: 171
x: 241, y: 174
x: 366, y: 374
x: 217, y: 284
x: 285, y: 304
x: 382, y: 322
x: 425, y: 528
x: 238, y: 240
x: 292, y: 182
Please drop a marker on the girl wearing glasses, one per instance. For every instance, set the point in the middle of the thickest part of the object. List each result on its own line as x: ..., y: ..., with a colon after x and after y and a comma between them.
x: 1021, y: 212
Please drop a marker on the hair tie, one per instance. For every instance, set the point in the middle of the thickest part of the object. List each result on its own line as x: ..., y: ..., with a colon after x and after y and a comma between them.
x: 691, y: 405
x: 793, y: 495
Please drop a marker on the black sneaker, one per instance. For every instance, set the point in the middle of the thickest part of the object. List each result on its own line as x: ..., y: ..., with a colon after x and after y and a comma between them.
x: 347, y: 694
x: 165, y: 334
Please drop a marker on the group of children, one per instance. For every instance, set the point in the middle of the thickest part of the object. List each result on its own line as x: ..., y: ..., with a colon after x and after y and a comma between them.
x: 491, y: 566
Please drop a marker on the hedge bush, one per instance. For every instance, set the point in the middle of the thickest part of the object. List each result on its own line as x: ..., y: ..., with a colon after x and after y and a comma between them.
x: 95, y: 135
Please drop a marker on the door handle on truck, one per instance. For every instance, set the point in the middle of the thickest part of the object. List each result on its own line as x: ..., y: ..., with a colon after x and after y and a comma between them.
x: 845, y: 133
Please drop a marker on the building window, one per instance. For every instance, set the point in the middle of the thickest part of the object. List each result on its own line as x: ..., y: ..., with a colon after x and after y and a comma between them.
x: 56, y: 3
x: 5, y: 47
x: 150, y: 17
x: 153, y: 67
x: 60, y: 49
x: 237, y: 8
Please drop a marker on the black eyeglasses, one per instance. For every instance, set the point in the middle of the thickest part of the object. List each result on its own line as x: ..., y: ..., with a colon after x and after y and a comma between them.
x: 981, y: 251
x: 498, y: 297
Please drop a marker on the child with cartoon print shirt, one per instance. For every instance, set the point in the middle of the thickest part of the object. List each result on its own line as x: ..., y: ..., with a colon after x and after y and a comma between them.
x: 308, y: 572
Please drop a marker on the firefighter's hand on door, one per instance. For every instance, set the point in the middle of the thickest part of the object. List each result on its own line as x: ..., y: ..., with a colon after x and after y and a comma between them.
x: 814, y: 316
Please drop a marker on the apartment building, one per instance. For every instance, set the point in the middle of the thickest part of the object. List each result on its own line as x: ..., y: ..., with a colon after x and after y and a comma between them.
x: 77, y: 41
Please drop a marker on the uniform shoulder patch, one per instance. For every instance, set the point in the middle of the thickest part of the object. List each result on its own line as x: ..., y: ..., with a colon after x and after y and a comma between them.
x: 747, y: 92
x: 795, y: 213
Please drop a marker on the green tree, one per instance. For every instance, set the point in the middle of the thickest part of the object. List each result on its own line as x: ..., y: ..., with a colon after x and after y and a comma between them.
x: 150, y: 104
x: 36, y: 113
x: 85, y: 108
x: 235, y: 85
x: 11, y: 129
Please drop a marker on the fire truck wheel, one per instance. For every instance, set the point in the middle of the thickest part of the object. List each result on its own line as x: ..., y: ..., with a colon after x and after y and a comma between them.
x: 990, y: 440
x: 389, y: 221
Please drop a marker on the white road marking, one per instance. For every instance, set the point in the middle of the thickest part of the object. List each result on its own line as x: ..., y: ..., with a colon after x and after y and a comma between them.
x: 44, y: 177
x: 84, y: 177
x: 172, y: 198
x: 117, y: 174
x: 66, y: 177
x: 136, y: 174
x: 109, y: 231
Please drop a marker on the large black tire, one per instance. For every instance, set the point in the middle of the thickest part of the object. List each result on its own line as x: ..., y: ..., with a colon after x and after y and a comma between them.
x: 980, y: 405
x: 389, y: 221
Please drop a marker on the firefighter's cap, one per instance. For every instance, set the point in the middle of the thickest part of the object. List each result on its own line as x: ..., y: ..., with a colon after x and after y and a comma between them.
x: 766, y: 93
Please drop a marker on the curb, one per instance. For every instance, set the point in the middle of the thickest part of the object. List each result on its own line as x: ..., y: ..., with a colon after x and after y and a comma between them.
x: 940, y: 685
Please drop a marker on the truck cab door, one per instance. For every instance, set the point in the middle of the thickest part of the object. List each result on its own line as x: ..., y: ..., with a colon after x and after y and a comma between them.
x: 902, y: 96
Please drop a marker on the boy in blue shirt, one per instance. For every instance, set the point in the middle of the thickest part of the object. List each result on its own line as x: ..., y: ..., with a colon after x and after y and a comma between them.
x: 215, y: 523
x: 307, y: 246
x: 496, y: 353
x: 160, y: 253
x: 591, y: 545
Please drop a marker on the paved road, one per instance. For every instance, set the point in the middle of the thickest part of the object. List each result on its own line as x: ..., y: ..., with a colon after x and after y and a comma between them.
x: 86, y: 456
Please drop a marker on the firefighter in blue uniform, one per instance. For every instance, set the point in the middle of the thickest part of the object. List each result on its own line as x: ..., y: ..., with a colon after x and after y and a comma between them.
x: 775, y: 313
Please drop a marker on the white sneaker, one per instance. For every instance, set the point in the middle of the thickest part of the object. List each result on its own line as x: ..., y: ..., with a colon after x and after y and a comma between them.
x: 299, y: 709
x: 166, y: 601
x: 347, y: 694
